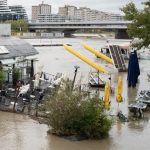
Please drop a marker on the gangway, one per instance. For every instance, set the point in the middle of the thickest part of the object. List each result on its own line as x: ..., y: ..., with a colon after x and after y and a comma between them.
x: 118, y: 59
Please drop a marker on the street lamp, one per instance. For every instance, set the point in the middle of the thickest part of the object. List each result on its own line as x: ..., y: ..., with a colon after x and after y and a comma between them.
x: 75, y: 74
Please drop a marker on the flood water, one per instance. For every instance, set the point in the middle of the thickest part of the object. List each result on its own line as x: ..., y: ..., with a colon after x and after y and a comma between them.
x: 18, y: 132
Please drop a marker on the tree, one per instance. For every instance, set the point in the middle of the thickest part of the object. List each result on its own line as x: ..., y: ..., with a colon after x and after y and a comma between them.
x: 15, y: 76
x: 18, y: 25
x: 140, y: 26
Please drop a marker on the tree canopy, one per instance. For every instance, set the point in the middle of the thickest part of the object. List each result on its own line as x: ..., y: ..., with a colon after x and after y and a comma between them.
x: 140, y: 26
x: 18, y: 25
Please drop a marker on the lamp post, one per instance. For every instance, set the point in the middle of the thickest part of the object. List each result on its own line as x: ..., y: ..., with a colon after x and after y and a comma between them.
x: 110, y: 83
x: 75, y: 74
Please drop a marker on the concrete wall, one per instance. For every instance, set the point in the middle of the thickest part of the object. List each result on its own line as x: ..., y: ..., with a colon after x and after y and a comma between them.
x: 29, y: 35
x: 5, y: 30
x: 41, y: 35
x: 121, y: 34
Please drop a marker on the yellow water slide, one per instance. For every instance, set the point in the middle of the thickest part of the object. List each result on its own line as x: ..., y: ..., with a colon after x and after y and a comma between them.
x: 83, y: 58
x: 97, y: 53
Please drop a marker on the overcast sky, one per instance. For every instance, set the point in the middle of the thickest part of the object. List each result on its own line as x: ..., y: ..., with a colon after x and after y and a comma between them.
x: 103, y: 5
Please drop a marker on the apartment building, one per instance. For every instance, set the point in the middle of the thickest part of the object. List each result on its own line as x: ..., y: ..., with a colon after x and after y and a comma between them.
x: 67, y: 11
x: 19, y: 11
x: 41, y: 9
x: 86, y: 14
x: 8, y: 14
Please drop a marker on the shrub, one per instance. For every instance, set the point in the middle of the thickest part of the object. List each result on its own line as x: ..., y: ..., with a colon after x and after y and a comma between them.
x: 76, y: 113
x: 16, y: 75
x: 2, y: 77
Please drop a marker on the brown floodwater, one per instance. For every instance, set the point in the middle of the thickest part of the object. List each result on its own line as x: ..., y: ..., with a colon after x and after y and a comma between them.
x: 19, y: 132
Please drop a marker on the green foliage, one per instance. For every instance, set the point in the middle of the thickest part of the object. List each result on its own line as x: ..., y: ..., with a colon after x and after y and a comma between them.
x: 18, y: 25
x: 140, y: 27
x: 2, y: 77
x: 16, y: 76
x: 74, y: 112
x: 130, y: 11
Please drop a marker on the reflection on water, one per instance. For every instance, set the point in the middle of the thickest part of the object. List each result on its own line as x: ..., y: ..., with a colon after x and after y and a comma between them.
x: 56, y: 143
x: 132, y: 93
x: 18, y: 132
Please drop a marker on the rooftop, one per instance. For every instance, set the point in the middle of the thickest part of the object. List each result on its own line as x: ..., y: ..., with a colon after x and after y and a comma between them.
x: 16, y: 48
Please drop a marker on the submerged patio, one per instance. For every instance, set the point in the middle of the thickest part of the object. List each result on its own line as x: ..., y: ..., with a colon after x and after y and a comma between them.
x: 22, y: 88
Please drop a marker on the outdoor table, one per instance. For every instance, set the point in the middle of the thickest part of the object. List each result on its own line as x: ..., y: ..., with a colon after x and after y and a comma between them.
x: 11, y: 89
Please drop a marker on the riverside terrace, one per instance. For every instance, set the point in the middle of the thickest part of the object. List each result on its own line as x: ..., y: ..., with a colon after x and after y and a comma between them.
x: 16, y: 53
x: 27, y: 98
x: 24, y: 89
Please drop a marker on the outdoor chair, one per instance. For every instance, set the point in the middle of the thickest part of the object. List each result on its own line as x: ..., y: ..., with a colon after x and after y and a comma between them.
x: 5, y: 101
x: 3, y: 93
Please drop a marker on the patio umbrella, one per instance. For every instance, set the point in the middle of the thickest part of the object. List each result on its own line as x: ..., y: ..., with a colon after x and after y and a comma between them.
x: 119, y: 90
x: 133, y: 70
x: 106, y: 95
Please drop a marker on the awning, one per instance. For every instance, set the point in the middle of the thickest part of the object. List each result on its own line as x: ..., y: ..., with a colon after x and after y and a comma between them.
x: 7, y: 61
x: 124, y: 45
x: 34, y: 57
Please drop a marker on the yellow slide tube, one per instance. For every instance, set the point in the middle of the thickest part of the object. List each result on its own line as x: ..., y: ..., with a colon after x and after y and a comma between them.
x: 86, y: 60
x: 97, y: 53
